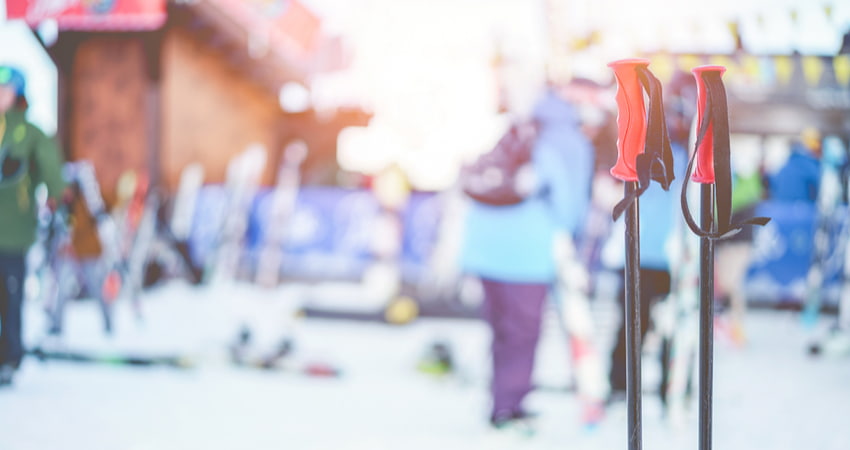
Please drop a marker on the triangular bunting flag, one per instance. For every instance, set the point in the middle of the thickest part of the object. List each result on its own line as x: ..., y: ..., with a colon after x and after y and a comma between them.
x: 812, y: 69
x: 841, y: 67
x: 784, y: 68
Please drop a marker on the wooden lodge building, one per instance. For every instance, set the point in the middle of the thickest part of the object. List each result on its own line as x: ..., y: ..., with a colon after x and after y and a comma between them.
x: 151, y: 85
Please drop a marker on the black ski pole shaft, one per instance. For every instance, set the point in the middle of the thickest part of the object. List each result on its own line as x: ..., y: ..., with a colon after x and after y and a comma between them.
x: 631, y: 139
x: 632, y: 316
x: 706, y: 319
x: 708, y: 137
x: 713, y: 171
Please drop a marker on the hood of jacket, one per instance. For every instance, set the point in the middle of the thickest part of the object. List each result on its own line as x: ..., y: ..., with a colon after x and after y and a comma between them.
x: 552, y: 111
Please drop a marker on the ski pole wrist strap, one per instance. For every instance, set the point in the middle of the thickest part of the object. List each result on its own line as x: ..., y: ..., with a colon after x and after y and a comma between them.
x: 655, y: 162
x: 712, y: 157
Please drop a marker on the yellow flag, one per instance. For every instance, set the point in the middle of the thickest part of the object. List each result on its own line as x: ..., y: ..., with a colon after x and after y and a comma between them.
x: 688, y: 62
x: 727, y: 62
x: 812, y: 69
x: 841, y: 66
x: 784, y: 68
x: 663, y: 67
x: 750, y: 66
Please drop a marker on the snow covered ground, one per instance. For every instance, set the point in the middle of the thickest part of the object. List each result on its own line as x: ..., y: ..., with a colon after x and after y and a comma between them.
x: 768, y: 395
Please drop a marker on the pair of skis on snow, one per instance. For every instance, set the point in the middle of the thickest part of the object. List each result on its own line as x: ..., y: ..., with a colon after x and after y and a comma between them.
x: 239, y: 355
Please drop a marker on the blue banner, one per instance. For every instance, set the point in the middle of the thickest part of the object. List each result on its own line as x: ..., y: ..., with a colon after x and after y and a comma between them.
x: 329, y: 233
x: 783, y: 251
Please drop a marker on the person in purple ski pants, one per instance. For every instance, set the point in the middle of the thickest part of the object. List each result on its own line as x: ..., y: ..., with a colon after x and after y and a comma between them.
x: 510, y: 248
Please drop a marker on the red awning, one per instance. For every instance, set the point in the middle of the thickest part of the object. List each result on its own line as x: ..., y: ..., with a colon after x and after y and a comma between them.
x: 91, y: 15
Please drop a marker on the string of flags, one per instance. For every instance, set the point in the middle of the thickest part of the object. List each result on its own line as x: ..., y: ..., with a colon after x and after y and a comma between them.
x: 770, y: 70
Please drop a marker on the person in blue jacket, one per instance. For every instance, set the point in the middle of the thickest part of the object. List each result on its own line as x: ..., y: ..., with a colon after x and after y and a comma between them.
x: 510, y: 248
x: 799, y: 179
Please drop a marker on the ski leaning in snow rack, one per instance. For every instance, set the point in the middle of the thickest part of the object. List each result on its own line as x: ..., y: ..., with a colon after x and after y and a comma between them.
x: 282, y: 201
x: 643, y: 155
x: 572, y: 302
x: 679, y: 323
x: 713, y: 171
x: 56, y: 264
x: 183, y: 216
x: 136, y: 211
x: 242, y: 181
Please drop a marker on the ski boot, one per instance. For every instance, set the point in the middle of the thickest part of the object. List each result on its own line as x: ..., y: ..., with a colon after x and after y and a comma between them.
x: 520, y: 422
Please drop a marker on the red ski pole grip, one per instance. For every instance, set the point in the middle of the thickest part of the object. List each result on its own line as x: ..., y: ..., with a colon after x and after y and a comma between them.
x: 631, y: 117
x: 704, y: 170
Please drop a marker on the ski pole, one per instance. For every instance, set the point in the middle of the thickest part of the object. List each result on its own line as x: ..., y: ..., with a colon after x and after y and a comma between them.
x: 704, y: 174
x: 631, y: 136
x: 643, y: 155
x: 713, y: 172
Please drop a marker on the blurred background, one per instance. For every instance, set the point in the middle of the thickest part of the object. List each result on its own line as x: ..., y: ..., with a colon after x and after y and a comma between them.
x: 283, y: 215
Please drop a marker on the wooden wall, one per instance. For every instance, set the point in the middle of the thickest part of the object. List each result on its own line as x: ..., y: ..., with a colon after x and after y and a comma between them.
x: 209, y: 111
x: 108, y: 107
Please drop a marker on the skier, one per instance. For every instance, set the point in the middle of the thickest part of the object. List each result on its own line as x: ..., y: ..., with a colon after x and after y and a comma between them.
x: 94, y: 241
x: 510, y: 248
x: 799, y: 179
x: 27, y: 159
x: 830, y: 240
x: 733, y: 254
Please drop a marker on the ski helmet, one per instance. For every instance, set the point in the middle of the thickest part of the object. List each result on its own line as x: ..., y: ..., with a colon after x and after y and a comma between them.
x: 12, y: 76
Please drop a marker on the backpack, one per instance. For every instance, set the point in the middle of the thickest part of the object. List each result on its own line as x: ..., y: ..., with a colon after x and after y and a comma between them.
x: 504, y: 175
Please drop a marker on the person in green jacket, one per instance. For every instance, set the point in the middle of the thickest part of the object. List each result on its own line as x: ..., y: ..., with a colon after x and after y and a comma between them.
x: 27, y: 159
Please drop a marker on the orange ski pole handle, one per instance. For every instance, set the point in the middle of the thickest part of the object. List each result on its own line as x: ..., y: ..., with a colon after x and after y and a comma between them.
x: 704, y: 170
x: 631, y: 117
